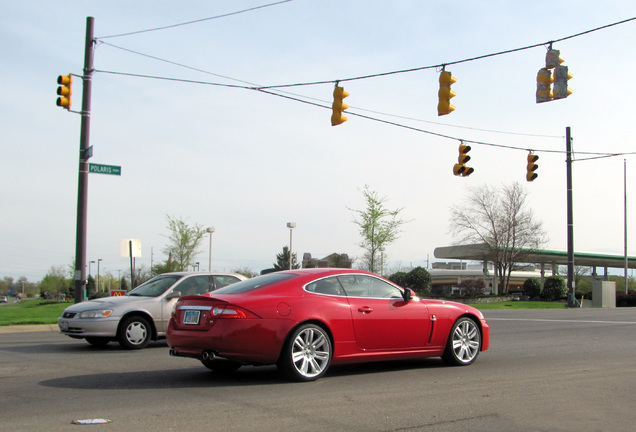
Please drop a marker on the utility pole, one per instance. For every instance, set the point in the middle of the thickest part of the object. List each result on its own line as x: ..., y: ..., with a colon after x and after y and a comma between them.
x: 568, y: 149
x: 625, y: 220
x: 84, y: 154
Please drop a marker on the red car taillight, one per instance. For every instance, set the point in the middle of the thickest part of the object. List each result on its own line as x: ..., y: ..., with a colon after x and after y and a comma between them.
x: 231, y: 312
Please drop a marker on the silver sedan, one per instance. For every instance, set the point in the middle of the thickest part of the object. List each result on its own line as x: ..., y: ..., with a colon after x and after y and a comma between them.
x: 142, y: 314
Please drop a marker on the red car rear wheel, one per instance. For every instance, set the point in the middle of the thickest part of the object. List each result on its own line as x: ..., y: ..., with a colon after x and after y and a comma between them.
x: 307, y: 354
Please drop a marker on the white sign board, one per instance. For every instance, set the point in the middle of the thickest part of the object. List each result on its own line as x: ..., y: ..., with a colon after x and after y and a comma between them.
x: 124, y: 246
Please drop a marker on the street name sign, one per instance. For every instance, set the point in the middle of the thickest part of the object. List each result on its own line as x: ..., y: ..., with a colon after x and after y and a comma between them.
x: 104, y: 169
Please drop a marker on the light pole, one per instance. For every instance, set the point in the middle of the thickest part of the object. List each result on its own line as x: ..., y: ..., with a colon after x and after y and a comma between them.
x: 98, y: 261
x: 210, y: 230
x: 86, y: 283
x: 291, y: 226
x: 382, y: 261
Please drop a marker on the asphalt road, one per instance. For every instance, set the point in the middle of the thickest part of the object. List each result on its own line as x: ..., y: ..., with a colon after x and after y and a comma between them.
x: 547, y: 370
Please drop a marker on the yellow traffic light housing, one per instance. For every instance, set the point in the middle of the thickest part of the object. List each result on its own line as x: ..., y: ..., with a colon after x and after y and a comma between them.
x: 460, y: 168
x: 553, y: 58
x: 553, y: 85
x: 561, y: 77
x: 544, y: 80
x: 446, y: 79
x: 532, y: 167
x: 338, y: 106
x: 64, y: 91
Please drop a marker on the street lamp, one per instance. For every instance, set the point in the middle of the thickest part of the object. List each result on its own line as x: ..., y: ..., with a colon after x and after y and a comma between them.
x: 382, y: 261
x: 98, y: 261
x: 291, y: 226
x: 210, y: 230
x: 89, y: 267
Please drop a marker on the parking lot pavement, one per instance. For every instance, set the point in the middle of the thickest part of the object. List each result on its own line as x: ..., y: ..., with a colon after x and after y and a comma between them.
x: 29, y: 328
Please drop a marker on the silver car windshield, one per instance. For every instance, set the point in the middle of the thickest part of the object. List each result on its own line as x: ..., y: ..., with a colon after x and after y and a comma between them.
x: 154, y: 287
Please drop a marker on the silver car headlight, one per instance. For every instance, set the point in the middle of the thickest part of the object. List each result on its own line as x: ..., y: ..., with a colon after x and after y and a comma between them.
x: 96, y: 313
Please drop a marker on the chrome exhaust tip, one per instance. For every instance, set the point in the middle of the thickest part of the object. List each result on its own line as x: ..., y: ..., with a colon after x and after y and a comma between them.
x: 207, y: 355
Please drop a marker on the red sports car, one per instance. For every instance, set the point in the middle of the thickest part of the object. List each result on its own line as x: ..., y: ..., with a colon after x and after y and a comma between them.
x: 305, y: 320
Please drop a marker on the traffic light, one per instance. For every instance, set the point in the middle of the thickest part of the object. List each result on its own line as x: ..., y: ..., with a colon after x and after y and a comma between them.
x: 445, y: 93
x: 544, y: 80
x: 561, y: 77
x: 546, y: 91
x: 64, y: 91
x: 553, y: 58
x: 338, y: 106
x: 532, y: 167
x: 460, y: 167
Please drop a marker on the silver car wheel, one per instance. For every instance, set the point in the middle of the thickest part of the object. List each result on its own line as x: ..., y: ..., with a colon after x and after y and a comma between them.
x: 136, y: 333
x: 308, y: 353
x: 464, y: 343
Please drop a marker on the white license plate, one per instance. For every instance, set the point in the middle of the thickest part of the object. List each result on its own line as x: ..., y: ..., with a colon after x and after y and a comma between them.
x: 191, y: 317
x: 64, y: 326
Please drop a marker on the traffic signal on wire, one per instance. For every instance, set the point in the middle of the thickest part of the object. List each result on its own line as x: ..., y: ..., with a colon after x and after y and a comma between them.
x: 561, y: 77
x: 553, y: 58
x: 460, y: 168
x: 446, y: 79
x: 532, y: 167
x: 64, y: 91
x: 544, y: 82
x: 338, y: 106
x: 552, y: 80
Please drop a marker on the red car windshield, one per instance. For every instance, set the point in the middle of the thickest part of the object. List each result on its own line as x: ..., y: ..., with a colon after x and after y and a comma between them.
x: 255, y: 283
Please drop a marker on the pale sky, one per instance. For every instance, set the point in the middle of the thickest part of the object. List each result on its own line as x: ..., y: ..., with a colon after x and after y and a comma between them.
x: 246, y: 162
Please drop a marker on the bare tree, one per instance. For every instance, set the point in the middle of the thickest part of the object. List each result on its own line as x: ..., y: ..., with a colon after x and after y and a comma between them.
x: 379, y: 226
x: 500, y: 221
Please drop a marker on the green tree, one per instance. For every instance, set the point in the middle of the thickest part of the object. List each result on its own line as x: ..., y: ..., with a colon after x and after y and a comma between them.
x: 8, y: 281
x: 54, y: 283
x: 419, y: 280
x: 531, y: 287
x: 399, y: 278
x: 379, y: 227
x: 184, y: 242
x: 554, y: 288
x: 165, y: 267
x: 29, y: 289
x: 90, y: 285
x: 282, y: 260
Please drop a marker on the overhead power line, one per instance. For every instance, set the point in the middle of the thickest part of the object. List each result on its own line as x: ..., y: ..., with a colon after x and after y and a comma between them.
x: 275, y: 90
x: 440, y: 65
x: 400, y: 125
x: 195, y: 21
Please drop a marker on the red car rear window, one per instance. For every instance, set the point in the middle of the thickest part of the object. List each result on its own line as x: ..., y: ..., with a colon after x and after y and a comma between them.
x: 255, y: 283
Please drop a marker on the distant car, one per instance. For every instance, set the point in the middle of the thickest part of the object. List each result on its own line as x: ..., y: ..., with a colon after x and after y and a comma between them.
x: 3, y: 299
x: 305, y: 320
x: 142, y: 314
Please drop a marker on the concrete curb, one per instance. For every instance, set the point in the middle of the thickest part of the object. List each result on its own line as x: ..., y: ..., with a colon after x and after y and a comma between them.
x: 29, y: 328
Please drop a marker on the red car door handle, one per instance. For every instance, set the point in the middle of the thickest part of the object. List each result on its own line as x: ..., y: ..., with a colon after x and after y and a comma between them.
x: 365, y: 309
